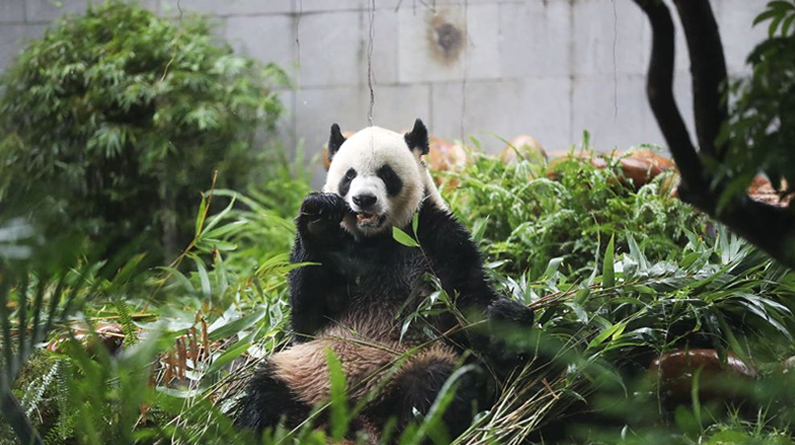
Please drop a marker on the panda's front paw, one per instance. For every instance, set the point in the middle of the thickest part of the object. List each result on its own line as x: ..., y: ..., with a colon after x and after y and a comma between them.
x: 510, y: 323
x: 504, y: 310
x: 321, y: 211
x: 328, y: 206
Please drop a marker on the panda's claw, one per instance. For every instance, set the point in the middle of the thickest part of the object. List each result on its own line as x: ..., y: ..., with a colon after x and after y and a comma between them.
x: 323, y: 206
x: 320, y: 213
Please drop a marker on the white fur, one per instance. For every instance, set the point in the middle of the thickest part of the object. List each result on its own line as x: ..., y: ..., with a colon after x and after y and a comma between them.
x: 366, y: 152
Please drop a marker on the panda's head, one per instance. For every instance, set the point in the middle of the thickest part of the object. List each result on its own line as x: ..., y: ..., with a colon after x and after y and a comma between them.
x: 381, y: 175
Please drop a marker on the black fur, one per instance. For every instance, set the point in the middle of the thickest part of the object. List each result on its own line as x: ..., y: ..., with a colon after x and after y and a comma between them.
x: 345, y: 182
x: 417, y: 138
x: 335, y: 141
x: 274, y: 402
x: 392, y: 181
x: 416, y: 389
x: 377, y: 272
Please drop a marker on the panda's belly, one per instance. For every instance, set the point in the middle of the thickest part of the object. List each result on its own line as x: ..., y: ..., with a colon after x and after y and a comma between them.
x: 384, y: 287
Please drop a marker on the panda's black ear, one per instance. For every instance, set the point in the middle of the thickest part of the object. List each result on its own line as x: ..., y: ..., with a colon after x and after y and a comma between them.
x: 335, y: 141
x: 417, y: 138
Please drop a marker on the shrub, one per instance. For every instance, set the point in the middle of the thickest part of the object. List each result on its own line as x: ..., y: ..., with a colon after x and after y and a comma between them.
x: 113, y: 120
x: 525, y: 219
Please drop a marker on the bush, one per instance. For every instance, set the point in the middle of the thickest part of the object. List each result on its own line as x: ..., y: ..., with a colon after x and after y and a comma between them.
x: 523, y: 218
x: 759, y: 132
x: 112, y: 128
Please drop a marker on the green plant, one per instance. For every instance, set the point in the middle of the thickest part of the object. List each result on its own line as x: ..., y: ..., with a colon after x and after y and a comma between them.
x: 110, y: 130
x: 523, y: 218
x: 204, y: 324
x: 759, y: 132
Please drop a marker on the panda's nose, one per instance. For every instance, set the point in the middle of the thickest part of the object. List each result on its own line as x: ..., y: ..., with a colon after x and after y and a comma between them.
x: 365, y: 200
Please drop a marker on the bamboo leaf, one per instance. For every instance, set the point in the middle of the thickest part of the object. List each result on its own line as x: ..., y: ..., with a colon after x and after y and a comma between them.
x: 339, y: 400
x: 608, y: 271
x: 403, y: 238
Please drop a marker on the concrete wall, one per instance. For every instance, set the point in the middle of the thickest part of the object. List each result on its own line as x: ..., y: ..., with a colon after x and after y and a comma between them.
x: 548, y: 68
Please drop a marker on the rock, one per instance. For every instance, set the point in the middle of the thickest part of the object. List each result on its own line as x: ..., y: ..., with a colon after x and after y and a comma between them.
x: 446, y: 156
x: 639, y: 167
x: 579, y: 156
x: 762, y: 190
x: 674, y: 371
x: 523, y: 147
x: 642, y: 166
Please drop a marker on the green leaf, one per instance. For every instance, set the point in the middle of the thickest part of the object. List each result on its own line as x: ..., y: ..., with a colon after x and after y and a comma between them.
x: 787, y: 24
x: 228, y: 356
x: 608, y: 271
x: 200, y: 215
x: 339, y: 400
x: 403, y: 238
x: 217, y: 218
x: 552, y: 267
x: 694, y: 396
x: 781, y: 5
x: 614, y: 330
x: 765, y: 16
x: 204, y: 278
x: 235, y: 326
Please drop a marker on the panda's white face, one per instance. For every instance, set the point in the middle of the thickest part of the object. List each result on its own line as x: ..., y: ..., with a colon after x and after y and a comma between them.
x: 381, y: 178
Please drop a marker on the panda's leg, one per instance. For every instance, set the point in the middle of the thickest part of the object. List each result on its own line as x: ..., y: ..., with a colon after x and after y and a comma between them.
x: 416, y: 386
x: 269, y: 400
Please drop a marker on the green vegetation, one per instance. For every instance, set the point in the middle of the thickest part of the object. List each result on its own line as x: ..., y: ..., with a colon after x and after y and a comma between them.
x: 525, y: 218
x: 759, y: 132
x: 112, y: 131
x: 195, y: 330
x: 107, y: 132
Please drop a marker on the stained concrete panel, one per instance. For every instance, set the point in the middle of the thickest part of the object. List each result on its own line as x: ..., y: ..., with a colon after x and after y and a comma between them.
x: 608, y: 38
x: 616, y: 114
x: 535, y: 39
x: 12, y: 40
x: 226, y: 7
x: 451, y: 44
x: 47, y: 10
x: 491, y: 110
x: 334, y: 48
x: 12, y: 11
x: 268, y: 39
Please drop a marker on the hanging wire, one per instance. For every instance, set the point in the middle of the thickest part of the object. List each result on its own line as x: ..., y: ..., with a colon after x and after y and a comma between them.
x: 176, y: 40
x: 297, y: 28
x: 370, y: 74
x: 466, y: 71
x: 615, y: 64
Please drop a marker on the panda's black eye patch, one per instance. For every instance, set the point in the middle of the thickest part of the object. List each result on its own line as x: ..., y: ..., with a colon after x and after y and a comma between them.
x: 391, y: 180
x: 345, y: 183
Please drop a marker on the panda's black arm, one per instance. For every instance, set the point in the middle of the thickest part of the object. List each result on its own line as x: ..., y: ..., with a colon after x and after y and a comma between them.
x: 454, y: 257
x: 456, y: 261
x: 315, y: 289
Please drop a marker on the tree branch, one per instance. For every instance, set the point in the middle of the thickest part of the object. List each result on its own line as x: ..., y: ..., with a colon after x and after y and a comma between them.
x: 770, y: 228
x: 659, y: 88
x: 708, y: 67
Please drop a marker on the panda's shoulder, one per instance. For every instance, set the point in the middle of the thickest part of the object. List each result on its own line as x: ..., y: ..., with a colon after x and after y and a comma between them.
x: 436, y: 216
x: 441, y: 225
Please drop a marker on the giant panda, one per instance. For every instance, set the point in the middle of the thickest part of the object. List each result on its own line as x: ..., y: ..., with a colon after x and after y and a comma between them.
x: 360, y: 285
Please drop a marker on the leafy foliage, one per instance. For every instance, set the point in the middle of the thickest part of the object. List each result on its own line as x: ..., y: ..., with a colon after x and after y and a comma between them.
x: 760, y: 132
x: 525, y: 217
x: 633, y: 295
x: 108, y: 129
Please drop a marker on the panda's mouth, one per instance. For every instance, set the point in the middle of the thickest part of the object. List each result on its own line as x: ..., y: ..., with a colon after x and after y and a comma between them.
x: 366, y: 219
